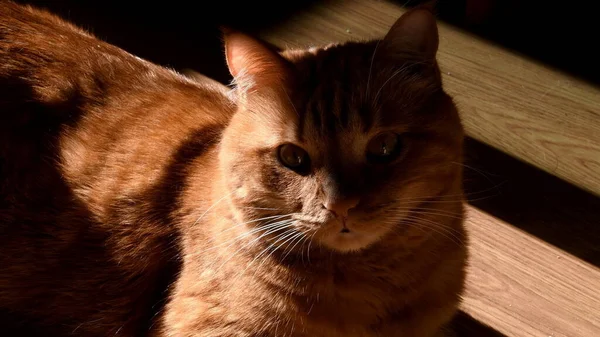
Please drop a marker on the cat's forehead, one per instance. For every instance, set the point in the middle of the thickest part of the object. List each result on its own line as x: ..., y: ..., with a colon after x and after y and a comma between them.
x: 334, y: 65
x: 339, y: 90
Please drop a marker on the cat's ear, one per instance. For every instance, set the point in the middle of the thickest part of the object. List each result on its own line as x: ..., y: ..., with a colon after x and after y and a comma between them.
x: 249, y: 57
x: 415, y: 31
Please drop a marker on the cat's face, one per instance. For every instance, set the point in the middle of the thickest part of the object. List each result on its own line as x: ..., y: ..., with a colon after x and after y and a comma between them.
x: 341, y: 143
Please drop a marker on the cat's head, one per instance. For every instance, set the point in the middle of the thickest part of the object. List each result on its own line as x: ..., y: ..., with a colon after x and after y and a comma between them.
x: 339, y: 143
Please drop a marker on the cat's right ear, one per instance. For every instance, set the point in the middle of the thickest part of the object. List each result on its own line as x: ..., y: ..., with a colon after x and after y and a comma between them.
x: 250, y: 58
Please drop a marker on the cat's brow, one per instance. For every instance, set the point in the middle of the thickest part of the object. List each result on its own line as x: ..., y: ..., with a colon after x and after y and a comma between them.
x: 334, y: 94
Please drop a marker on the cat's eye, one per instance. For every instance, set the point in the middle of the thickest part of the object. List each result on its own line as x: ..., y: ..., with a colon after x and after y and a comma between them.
x: 294, y: 157
x: 384, y: 148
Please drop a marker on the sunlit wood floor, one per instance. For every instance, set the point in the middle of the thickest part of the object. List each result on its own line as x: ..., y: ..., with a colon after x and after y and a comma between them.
x: 533, y: 182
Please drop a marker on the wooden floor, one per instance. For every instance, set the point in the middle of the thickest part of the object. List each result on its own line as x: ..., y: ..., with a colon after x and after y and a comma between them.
x: 533, y: 179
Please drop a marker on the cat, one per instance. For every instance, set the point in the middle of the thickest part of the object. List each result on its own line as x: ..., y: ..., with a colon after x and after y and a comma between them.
x: 320, y: 196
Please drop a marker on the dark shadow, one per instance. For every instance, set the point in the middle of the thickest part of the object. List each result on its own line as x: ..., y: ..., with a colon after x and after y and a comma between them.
x: 54, y: 254
x: 463, y: 325
x: 184, y: 34
x: 557, y: 33
x: 533, y: 200
x: 177, y: 34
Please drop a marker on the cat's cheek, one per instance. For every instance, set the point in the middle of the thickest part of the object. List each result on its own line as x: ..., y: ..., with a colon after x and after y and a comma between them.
x: 419, y: 189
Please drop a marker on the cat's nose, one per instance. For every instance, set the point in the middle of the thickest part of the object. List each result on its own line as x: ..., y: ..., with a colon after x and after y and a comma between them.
x: 340, y: 207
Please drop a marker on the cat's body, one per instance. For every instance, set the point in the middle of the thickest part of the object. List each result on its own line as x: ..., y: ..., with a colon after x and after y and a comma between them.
x: 131, y: 197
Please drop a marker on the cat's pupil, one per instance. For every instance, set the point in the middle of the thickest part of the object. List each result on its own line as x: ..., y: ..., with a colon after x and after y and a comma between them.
x: 384, y: 147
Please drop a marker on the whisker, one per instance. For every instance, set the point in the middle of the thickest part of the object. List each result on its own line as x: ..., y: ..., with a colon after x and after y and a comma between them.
x: 436, y: 227
x: 304, y: 242
x: 271, y: 228
x: 262, y: 252
x: 425, y: 199
x: 367, y: 92
x: 211, y: 207
x: 290, y: 100
x: 261, y: 208
x: 290, y: 237
x: 302, y: 236
x: 283, y: 236
x: 251, y: 242
x: 429, y: 211
x: 446, y: 228
x: 461, y: 196
x: 276, y: 217
x: 402, y: 219
x: 241, y: 236
x: 474, y: 169
x: 396, y: 73
x: 422, y: 226
x: 309, y: 245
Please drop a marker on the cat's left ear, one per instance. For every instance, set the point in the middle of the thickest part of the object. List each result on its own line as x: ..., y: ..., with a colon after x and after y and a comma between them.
x: 247, y: 56
x: 415, y: 31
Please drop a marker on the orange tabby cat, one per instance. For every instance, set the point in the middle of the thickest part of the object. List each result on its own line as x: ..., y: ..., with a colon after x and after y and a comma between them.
x: 320, y: 197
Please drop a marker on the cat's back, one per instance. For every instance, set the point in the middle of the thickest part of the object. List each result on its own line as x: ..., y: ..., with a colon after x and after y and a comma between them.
x: 60, y: 85
x: 89, y: 109
x: 94, y: 147
x: 47, y: 59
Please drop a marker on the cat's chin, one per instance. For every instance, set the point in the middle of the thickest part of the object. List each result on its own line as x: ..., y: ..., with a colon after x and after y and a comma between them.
x: 348, y: 241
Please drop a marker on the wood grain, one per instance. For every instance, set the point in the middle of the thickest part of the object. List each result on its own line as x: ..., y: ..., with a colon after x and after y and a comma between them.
x: 530, y: 111
x: 523, y: 286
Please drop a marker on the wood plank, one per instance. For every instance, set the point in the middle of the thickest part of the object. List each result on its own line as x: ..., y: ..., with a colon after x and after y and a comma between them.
x: 523, y: 286
x: 537, y: 114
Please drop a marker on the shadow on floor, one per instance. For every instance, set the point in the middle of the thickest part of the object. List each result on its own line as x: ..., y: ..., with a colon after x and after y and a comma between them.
x: 463, y: 325
x: 533, y: 200
x: 556, y: 33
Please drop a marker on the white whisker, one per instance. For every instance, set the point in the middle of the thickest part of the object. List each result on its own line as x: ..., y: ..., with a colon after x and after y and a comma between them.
x: 280, y: 237
x: 367, y: 92
x: 289, y: 237
x: 309, y: 245
x: 302, y: 236
x: 242, y: 235
x: 211, y: 207
x: 429, y: 211
x: 436, y: 227
x: 261, y: 208
x: 273, y: 217
x: 274, y: 230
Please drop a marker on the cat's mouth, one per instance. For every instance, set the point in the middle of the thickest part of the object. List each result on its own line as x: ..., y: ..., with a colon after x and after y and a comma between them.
x: 345, y: 228
x: 345, y: 236
x: 342, y: 236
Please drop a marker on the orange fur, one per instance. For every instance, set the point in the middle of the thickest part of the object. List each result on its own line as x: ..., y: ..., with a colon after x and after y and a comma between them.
x: 137, y: 201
